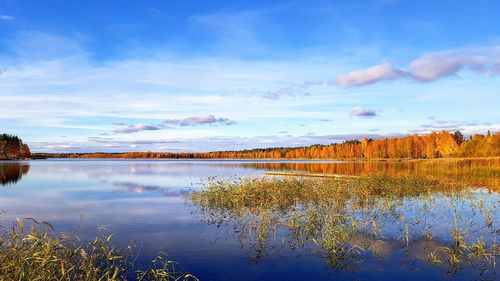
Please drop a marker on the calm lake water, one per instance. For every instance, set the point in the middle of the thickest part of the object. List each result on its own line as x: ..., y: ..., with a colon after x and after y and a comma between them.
x: 147, y: 201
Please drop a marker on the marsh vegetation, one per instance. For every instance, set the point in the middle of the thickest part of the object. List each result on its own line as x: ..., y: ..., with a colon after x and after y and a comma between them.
x: 31, y: 250
x: 347, y: 221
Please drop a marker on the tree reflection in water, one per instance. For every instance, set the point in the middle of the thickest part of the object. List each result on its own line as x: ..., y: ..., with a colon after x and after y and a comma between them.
x: 12, y: 172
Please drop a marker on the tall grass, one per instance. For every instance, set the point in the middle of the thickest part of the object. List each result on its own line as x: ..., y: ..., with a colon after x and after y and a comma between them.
x: 35, y: 252
x: 284, y: 193
x: 346, y: 220
x: 478, y: 172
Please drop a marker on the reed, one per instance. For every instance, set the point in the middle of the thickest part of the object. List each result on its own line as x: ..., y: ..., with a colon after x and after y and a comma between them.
x: 34, y: 252
x: 475, y: 172
x: 347, y: 220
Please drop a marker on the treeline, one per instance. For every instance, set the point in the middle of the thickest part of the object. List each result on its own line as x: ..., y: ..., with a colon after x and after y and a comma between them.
x: 433, y: 145
x: 12, y: 147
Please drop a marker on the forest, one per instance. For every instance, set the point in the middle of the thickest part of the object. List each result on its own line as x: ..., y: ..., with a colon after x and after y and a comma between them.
x: 12, y: 147
x: 441, y: 144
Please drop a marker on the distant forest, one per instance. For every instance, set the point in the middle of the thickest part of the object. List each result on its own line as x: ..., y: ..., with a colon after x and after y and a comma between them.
x: 12, y: 147
x: 433, y: 145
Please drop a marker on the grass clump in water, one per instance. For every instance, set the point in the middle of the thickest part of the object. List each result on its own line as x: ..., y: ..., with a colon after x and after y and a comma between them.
x: 349, y: 220
x: 284, y: 193
x: 33, y: 253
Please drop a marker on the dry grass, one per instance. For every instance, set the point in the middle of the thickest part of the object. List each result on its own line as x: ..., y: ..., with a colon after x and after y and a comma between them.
x: 34, y: 253
x: 477, y: 172
x: 345, y: 219
x: 284, y: 193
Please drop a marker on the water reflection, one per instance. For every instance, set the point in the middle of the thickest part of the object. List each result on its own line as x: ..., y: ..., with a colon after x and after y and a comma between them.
x: 131, y: 187
x: 12, y: 172
x: 477, y: 172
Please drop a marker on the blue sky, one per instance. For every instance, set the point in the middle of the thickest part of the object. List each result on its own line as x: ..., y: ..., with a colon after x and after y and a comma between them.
x: 79, y: 76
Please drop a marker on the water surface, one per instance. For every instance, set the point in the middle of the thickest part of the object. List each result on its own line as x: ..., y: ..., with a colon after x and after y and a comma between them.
x: 147, y: 201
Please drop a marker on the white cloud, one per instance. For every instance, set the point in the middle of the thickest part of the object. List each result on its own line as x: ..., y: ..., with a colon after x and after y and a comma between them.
x: 434, y: 66
x: 199, y: 120
x: 363, y: 112
x: 429, y: 67
x: 374, y: 74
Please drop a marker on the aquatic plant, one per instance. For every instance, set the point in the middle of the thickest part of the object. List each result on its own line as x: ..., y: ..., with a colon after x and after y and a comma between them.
x: 35, y: 252
x: 348, y: 220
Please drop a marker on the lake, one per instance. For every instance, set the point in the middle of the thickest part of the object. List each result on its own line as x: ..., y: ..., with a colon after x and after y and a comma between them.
x: 147, y: 202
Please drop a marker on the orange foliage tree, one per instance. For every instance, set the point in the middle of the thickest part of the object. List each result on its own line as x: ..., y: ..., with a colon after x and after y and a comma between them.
x: 432, y: 145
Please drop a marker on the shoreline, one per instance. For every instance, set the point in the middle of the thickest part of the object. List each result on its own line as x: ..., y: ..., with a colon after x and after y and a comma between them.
x: 361, y: 160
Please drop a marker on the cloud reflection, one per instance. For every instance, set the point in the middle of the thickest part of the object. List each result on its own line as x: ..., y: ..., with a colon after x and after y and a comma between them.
x: 131, y: 187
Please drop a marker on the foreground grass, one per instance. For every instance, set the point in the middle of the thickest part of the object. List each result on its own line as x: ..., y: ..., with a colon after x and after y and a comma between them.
x: 32, y: 253
x: 347, y: 220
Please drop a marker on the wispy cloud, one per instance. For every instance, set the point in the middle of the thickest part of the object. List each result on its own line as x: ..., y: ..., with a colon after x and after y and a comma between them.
x: 110, y: 144
x: 363, y: 112
x: 289, y: 91
x: 450, y: 125
x: 231, y: 30
x: 495, y: 68
x: 6, y: 18
x: 37, y: 46
x: 293, y: 90
x: 51, y: 71
x: 127, y: 129
x: 200, y: 120
x: 428, y: 68
x: 41, y: 78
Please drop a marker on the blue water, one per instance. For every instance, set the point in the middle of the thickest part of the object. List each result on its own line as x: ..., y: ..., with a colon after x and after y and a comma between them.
x: 146, y: 201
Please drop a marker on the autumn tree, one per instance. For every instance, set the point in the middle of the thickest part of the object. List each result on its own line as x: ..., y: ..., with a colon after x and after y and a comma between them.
x: 432, y: 145
x: 12, y: 147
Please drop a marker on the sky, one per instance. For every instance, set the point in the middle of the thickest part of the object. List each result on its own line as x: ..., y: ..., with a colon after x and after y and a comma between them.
x: 111, y: 76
